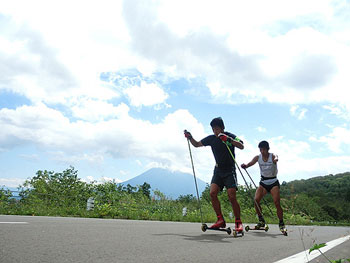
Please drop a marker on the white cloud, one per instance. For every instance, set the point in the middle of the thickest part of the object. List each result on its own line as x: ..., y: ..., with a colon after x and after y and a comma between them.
x: 50, y: 61
x: 338, y: 141
x: 243, y: 54
x: 267, y: 62
x: 341, y: 111
x: 13, y: 182
x: 296, y: 53
x: 72, y: 142
x: 101, y: 180
x: 97, y: 110
x: 298, y: 112
x: 147, y: 94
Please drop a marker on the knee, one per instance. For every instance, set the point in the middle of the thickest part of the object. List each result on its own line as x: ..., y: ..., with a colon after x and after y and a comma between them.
x: 232, y: 198
x: 213, y: 194
x: 277, y: 202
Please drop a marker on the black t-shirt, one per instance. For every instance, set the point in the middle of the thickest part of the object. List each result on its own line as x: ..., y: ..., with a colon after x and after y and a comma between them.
x: 221, y: 154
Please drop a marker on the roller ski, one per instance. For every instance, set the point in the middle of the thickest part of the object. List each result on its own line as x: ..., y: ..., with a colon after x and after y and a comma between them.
x: 238, y: 231
x: 220, y: 225
x: 259, y: 226
x: 227, y: 230
x: 283, y: 229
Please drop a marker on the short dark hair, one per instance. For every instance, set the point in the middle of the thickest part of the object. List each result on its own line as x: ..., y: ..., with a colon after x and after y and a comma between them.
x: 217, y: 122
x: 264, y: 144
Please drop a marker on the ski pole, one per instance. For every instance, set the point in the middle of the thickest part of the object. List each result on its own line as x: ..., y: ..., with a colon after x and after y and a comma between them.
x: 256, y: 187
x: 229, y: 150
x: 195, y: 180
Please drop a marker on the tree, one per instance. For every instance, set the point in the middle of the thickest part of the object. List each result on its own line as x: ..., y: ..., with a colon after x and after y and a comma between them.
x: 145, y: 189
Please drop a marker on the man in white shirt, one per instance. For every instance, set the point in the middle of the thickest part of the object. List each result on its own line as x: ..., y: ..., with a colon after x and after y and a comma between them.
x: 268, y: 183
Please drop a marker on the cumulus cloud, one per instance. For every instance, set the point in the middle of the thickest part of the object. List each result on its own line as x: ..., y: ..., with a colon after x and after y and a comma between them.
x: 93, y: 110
x: 13, y: 182
x: 30, y: 67
x: 146, y: 94
x: 121, y: 137
x: 341, y: 111
x: 238, y: 54
x: 273, y: 67
x: 298, y: 112
x: 337, y: 141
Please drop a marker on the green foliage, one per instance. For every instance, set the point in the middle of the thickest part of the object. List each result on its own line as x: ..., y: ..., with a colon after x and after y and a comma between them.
x: 50, y: 189
x: 320, y: 199
x: 316, y: 246
x: 5, y: 195
x: 64, y: 194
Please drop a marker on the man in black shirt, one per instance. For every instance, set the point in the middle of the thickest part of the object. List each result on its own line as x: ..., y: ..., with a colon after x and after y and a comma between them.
x: 224, y: 171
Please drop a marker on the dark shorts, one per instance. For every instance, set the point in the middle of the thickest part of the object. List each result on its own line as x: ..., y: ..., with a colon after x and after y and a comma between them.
x: 269, y: 187
x: 227, y: 178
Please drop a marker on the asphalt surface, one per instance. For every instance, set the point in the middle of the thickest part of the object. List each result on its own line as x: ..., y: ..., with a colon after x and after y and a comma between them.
x: 56, y: 239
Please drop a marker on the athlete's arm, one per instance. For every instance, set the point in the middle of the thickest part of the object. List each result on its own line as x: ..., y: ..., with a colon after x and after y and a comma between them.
x: 195, y: 143
x: 274, y: 158
x: 252, y: 162
x: 237, y: 143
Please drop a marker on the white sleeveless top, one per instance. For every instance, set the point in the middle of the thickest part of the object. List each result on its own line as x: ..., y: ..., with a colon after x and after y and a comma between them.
x: 268, y: 170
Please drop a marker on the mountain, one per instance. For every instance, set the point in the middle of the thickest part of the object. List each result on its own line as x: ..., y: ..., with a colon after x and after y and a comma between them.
x: 172, y: 184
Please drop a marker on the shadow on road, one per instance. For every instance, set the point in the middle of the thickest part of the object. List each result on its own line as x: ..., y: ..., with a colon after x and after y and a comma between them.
x: 207, y: 238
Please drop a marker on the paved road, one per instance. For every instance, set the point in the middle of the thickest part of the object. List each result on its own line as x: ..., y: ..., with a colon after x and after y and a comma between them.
x: 54, y: 239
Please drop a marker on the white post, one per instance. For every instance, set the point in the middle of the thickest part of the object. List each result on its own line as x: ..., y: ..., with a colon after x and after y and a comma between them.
x: 230, y: 215
x: 90, y: 204
x: 184, y: 211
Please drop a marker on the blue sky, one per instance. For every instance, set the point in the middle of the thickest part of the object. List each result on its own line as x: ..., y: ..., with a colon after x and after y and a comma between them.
x: 110, y: 88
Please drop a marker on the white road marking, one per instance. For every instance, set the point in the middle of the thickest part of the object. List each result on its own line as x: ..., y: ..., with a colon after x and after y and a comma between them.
x: 304, y: 257
x: 13, y: 222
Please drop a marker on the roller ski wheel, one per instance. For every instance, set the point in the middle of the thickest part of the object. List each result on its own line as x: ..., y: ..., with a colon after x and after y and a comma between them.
x: 284, y: 231
x: 227, y: 230
x: 236, y: 233
x: 266, y: 228
x: 247, y: 228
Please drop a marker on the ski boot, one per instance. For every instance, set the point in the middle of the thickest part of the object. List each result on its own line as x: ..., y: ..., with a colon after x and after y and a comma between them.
x: 238, y: 228
x: 283, y: 228
x: 260, y: 224
x: 220, y: 223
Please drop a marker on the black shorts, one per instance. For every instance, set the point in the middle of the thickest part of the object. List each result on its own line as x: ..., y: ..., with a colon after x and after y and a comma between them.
x: 226, y: 178
x: 268, y: 187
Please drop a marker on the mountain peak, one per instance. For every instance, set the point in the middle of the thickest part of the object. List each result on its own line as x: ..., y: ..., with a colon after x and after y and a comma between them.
x: 171, y: 183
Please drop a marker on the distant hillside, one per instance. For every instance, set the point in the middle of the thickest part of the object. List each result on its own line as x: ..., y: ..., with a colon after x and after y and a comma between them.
x: 323, y: 197
x: 330, y: 186
x: 172, y: 184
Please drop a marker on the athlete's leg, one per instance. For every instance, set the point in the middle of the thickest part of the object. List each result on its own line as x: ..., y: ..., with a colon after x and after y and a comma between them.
x: 275, y: 192
x: 231, y: 192
x: 214, y: 190
x: 259, y: 194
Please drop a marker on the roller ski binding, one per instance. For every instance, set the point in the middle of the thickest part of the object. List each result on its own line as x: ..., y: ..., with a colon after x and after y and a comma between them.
x: 220, y: 225
x: 283, y: 229
x: 238, y: 231
x: 259, y: 226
